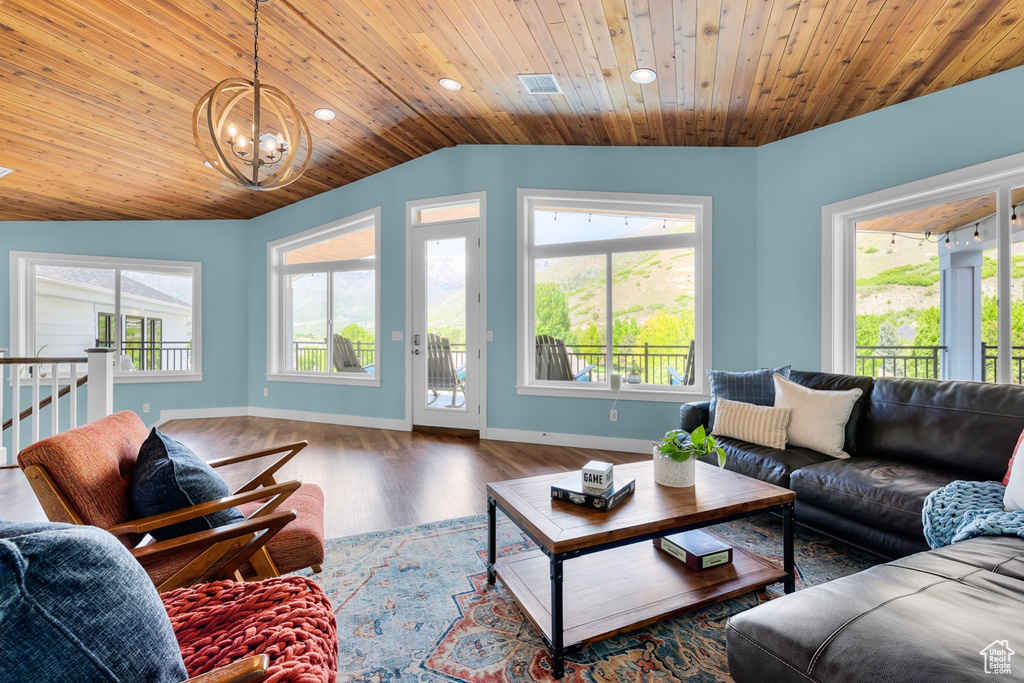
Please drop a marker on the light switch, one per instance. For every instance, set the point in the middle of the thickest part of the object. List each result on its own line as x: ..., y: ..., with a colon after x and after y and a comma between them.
x: 396, y: 336
x: 490, y: 336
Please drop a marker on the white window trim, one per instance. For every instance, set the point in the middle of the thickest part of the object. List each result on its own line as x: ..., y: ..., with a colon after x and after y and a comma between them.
x: 839, y: 249
x: 700, y: 239
x: 23, y: 306
x: 276, y: 269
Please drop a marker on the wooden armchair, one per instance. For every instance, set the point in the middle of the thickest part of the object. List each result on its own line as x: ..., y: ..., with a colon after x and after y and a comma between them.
x: 83, y: 476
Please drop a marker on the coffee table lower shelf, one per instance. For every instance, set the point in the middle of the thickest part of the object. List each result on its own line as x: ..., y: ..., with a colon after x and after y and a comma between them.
x: 617, y: 590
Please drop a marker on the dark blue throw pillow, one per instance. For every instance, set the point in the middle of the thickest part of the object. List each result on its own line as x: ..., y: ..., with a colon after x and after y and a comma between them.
x: 755, y: 387
x: 76, y: 606
x: 168, y: 476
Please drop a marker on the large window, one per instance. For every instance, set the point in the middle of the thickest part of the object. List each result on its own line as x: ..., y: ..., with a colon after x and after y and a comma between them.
x: 923, y: 279
x: 324, y: 303
x: 613, y: 284
x: 146, y: 310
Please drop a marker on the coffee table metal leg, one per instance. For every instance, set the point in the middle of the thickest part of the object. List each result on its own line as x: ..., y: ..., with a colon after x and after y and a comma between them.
x: 788, y: 564
x: 557, y: 650
x: 491, y: 540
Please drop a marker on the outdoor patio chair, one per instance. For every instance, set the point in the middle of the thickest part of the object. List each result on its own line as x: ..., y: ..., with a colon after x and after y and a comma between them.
x: 83, y: 476
x: 553, y: 361
x: 345, y: 357
x: 687, y: 376
x: 442, y: 375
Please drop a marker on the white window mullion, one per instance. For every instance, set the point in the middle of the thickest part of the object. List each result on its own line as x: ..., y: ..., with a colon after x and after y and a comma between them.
x: 119, y: 322
x: 1004, y: 273
x: 329, y: 364
x: 609, y: 351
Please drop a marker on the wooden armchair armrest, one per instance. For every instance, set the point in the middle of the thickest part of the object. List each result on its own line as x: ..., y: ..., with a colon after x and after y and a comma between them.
x: 248, y: 670
x: 223, y: 550
x: 266, y: 477
x: 203, y: 539
x: 277, y: 494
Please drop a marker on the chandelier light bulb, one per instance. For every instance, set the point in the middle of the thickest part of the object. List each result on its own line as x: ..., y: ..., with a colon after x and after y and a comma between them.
x: 977, y: 235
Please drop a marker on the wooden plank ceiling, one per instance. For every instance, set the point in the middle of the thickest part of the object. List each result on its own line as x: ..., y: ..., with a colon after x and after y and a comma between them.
x: 96, y: 95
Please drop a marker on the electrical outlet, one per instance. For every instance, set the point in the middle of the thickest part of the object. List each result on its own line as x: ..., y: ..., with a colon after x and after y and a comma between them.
x: 145, y: 407
x: 397, y: 336
x: 613, y: 415
x: 266, y: 392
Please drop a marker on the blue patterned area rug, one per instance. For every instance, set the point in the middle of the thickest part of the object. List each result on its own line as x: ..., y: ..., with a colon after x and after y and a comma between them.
x: 413, y: 604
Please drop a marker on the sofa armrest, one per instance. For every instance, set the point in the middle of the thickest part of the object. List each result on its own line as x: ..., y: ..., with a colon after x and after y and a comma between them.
x: 693, y: 415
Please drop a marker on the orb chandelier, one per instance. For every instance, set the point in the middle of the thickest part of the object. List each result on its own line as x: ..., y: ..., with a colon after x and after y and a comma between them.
x: 252, y: 133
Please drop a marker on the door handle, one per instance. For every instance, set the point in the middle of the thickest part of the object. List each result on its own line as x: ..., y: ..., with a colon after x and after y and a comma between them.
x: 415, y: 340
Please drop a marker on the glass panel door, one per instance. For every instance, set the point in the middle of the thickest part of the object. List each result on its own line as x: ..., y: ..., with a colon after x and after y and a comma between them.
x: 444, y: 335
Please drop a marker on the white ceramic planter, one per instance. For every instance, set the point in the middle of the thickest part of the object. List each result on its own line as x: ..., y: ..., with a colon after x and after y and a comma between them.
x: 668, y: 472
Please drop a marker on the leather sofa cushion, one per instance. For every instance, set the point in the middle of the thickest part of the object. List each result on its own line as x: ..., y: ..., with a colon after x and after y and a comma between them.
x: 876, y: 492
x: 824, y: 381
x: 968, y: 426
x: 923, y: 618
x: 763, y: 462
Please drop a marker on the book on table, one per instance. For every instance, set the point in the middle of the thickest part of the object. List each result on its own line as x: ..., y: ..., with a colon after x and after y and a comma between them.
x: 698, y: 549
x: 571, y: 490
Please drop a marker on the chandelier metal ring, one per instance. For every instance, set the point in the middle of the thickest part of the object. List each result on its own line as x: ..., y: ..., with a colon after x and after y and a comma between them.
x: 269, y: 158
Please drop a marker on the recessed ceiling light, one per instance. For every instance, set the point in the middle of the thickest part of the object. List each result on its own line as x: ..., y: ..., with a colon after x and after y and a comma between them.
x: 207, y: 164
x: 5, y: 171
x: 324, y: 114
x: 450, y: 84
x: 643, y: 76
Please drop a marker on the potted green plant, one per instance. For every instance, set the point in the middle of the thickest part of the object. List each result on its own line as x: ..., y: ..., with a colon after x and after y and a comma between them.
x: 633, y: 371
x: 674, y: 457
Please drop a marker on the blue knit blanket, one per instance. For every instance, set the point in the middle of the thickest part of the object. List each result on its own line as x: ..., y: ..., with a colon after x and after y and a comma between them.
x: 965, y: 509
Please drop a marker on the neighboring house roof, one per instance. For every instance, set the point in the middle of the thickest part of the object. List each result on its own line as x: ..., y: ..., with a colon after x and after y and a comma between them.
x: 104, y: 278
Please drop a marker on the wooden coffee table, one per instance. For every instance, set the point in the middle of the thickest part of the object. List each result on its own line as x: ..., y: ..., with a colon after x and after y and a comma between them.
x: 615, y: 582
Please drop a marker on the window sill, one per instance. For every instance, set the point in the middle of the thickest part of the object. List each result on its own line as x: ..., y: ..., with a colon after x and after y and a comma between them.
x: 347, y: 378
x: 603, y: 391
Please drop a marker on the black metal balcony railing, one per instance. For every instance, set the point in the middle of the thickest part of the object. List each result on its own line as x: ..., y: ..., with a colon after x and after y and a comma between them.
x: 311, y: 356
x: 989, y: 361
x: 899, y: 361
x: 650, y: 360
x: 157, y: 355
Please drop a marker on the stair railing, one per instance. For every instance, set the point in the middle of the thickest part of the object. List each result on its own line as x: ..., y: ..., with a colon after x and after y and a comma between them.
x: 31, y: 371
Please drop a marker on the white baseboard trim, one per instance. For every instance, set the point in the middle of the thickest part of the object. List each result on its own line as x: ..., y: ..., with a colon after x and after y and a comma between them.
x: 604, y: 443
x: 281, y: 414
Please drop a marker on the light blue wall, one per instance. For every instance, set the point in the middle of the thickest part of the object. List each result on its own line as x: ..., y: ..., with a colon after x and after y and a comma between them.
x: 725, y: 174
x: 218, y: 245
x: 951, y: 129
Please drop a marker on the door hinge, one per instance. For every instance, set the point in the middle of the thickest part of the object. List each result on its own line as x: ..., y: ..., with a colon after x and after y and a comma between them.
x: 478, y: 300
x: 478, y: 354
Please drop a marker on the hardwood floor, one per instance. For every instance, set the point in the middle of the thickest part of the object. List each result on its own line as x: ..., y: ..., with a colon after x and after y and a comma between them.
x: 373, y: 479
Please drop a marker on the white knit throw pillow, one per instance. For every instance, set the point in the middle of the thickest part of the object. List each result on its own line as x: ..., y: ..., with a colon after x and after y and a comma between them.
x: 819, y: 417
x: 1013, y: 499
x: 762, y: 425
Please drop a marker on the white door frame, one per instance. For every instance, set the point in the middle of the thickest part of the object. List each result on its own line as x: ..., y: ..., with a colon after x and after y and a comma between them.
x: 482, y: 335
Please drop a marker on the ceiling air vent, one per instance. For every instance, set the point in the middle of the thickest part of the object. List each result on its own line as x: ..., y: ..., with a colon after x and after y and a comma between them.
x: 5, y: 171
x: 540, y: 84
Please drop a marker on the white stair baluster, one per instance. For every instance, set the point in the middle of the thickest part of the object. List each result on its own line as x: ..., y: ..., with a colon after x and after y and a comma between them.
x: 73, y: 406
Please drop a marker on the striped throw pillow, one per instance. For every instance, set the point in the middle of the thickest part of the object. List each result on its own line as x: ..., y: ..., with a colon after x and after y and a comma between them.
x: 763, y: 425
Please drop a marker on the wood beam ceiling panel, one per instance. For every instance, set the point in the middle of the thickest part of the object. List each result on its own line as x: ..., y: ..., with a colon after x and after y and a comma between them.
x: 96, y: 96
